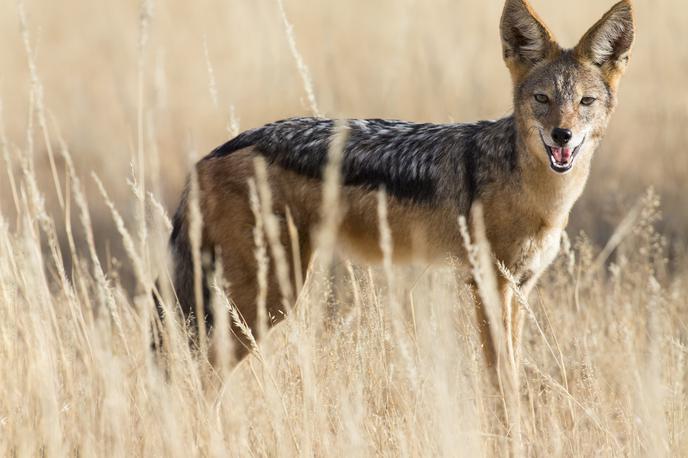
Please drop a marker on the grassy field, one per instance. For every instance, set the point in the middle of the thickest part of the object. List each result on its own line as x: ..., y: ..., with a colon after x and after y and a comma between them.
x: 104, y: 107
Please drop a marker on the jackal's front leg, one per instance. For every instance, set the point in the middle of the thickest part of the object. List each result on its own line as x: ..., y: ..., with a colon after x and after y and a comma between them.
x: 507, y: 343
x: 486, y: 336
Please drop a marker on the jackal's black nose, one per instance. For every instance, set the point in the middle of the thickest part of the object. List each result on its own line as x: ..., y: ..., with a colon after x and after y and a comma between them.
x: 561, y: 136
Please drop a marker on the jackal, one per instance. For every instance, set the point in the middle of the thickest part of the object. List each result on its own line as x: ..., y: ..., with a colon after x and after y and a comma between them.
x: 526, y: 169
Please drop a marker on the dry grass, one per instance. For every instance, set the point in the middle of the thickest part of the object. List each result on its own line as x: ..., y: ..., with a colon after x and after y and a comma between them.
x: 136, y: 93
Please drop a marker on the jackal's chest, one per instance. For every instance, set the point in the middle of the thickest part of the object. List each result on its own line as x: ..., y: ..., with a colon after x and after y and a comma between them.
x: 524, y: 234
x: 535, y: 253
x: 525, y: 245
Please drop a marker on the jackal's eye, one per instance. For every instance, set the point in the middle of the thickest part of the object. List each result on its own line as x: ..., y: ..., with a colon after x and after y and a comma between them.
x: 541, y: 98
x: 587, y: 101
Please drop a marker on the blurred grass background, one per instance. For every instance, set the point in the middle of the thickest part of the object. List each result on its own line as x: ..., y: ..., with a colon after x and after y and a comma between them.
x: 433, y: 61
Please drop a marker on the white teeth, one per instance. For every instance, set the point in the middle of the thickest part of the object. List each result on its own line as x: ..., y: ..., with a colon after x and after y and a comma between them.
x: 561, y: 167
x: 555, y: 162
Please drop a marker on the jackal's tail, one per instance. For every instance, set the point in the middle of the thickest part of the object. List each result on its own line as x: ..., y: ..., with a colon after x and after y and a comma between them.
x: 184, y: 274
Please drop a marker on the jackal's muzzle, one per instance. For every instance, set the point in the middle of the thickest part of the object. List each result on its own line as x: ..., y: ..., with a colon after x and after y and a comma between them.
x: 561, y: 158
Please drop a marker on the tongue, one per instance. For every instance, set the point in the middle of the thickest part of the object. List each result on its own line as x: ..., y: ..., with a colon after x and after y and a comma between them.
x: 561, y: 155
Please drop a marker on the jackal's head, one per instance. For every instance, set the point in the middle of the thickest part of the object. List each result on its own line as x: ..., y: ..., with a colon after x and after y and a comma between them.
x: 563, y: 97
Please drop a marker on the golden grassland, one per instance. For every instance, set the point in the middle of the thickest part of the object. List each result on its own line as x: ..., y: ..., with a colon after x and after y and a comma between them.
x: 106, y: 104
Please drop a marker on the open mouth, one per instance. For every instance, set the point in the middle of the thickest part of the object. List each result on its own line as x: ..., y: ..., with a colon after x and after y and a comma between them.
x: 561, y: 159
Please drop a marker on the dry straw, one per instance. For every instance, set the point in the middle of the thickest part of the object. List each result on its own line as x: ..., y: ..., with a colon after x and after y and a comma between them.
x: 272, y: 230
x: 300, y: 64
x: 604, y: 356
x: 498, y: 313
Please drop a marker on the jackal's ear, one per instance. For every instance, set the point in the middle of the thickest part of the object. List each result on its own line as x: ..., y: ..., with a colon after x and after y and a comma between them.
x: 608, y: 43
x: 525, y: 39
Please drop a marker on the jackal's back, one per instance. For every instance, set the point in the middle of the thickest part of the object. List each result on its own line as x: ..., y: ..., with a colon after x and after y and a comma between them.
x: 421, y: 162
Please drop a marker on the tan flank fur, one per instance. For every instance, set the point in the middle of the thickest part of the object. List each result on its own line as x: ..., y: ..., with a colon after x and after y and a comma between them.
x: 527, y: 171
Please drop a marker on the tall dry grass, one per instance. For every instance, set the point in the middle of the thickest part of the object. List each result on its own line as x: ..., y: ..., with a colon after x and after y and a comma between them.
x: 104, y: 107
